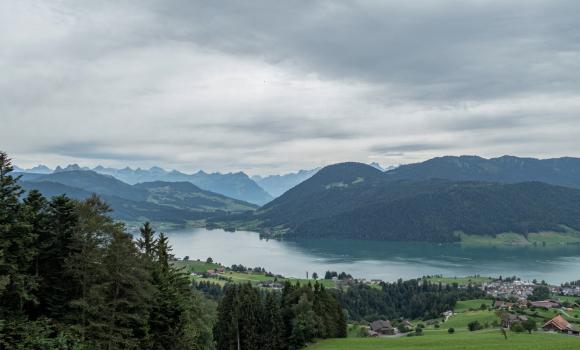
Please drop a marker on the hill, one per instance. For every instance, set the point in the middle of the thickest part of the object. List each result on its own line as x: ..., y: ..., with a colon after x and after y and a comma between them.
x: 353, y: 200
x: 507, y: 169
x: 172, y: 202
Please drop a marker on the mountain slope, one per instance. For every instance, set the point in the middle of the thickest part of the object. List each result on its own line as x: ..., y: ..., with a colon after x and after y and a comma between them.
x: 357, y: 201
x: 506, y: 169
x: 187, y: 195
x: 93, y: 182
x: 156, y: 201
x: 276, y: 185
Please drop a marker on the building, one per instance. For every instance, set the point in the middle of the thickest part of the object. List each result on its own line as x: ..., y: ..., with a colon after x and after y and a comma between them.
x: 382, y: 327
x: 545, y: 304
x: 509, y: 319
x: 558, y: 324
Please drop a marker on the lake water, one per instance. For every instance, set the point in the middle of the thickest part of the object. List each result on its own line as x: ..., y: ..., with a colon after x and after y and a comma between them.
x: 376, y: 259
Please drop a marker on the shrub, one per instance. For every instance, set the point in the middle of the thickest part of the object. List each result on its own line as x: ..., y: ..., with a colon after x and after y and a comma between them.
x: 474, y: 326
x: 517, y: 327
x: 451, y: 330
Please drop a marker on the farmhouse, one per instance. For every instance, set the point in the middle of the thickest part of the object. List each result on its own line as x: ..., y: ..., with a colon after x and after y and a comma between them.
x: 545, y: 304
x: 558, y: 324
x: 382, y: 327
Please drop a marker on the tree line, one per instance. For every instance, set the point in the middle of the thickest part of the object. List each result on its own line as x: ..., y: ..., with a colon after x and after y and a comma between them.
x: 410, y: 299
x: 72, y: 278
x: 251, y: 319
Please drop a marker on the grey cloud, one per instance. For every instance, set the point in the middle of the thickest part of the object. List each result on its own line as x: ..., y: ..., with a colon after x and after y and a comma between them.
x: 410, y: 147
x: 448, y: 49
x: 224, y: 85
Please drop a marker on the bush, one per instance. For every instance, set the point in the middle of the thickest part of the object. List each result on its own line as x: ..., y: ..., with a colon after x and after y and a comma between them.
x: 474, y: 326
x: 419, y: 331
x: 517, y: 327
x: 451, y: 330
x: 437, y: 325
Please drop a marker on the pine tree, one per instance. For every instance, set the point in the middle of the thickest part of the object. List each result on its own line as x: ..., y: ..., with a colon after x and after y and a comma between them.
x: 147, y: 242
x: 17, y: 245
x: 273, y: 326
x: 57, y: 288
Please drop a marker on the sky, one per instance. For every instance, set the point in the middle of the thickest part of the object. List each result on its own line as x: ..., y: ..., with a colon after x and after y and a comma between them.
x: 276, y: 86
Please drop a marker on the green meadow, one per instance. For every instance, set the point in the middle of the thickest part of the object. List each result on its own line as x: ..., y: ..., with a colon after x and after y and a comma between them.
x: 441, y: 340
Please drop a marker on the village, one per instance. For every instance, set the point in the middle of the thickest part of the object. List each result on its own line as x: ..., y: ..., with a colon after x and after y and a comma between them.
x: 513, y: 302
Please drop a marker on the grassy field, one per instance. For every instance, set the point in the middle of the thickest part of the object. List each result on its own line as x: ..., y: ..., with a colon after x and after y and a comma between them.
x: 463, y: 306
x: 540, y: 239
x: 460, y: 320
x: 462, y: 281
x: 195, y: 266
x: 190, y: 266
x: 440, y: 340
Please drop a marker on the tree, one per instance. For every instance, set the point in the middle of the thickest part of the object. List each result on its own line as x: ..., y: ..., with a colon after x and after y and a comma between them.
x: 273, y: 326
x: 529, y: 325
x: 147, y: 242
x: 451, y: 330
x: 17, y: 244
x: 540, y: 293
x: 474, y: 326
x: 314, y: 276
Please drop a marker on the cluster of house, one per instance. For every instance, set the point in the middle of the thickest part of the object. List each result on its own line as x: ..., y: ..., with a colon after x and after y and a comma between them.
x: 506, y: 289
x: 383, y: 328
x: 570, y: 291
x: 271, y: 285
x: 523, y: 289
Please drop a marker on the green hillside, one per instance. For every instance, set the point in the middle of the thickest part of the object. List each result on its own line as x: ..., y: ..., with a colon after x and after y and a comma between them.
x: 353, y: 200
x: 161, y: 202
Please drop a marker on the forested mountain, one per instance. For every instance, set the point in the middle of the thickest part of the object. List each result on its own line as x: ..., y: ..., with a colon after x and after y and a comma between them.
x: 235, y: 185
x: 173, y: 202
x: 353, y: 200
x: 276, y: 185
x: 507, y: 169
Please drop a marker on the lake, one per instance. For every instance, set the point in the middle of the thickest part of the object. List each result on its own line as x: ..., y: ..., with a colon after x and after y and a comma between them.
x: 376, y: 259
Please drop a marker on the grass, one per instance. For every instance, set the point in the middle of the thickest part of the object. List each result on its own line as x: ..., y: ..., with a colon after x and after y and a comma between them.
x: 460, y: 320
x: 463, y: 306
x: 190, y: 266
x: 462, y: 281
x: 440, y: 340
x: 195, y: 266
x: 539, y: 239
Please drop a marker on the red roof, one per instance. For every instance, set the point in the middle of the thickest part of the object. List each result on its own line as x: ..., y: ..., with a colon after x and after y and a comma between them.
x: 558, y: 322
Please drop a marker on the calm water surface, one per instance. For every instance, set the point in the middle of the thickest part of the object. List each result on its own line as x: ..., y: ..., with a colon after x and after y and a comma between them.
x: 376, y: 259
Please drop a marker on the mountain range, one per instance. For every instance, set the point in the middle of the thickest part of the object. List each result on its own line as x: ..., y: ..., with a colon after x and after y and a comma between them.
x: 431, y: 201
x: 170, y: 202
x: 235, y: 185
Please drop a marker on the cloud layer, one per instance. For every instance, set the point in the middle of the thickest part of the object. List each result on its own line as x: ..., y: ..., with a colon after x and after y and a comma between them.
x: 270, y: 86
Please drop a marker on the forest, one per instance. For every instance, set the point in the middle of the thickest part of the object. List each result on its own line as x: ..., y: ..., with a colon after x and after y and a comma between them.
x: 73, y: 278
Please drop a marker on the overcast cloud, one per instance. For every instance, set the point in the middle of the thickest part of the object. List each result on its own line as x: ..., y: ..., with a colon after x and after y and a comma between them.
x: 269, y: 87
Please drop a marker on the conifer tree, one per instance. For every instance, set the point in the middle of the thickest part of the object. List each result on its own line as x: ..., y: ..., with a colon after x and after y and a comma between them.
x: 17, y: 244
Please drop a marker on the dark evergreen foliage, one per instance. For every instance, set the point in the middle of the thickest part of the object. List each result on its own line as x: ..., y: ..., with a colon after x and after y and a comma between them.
x: 356, y: 201
x: 408, y: 299
x: 72, y: 278
x: 248, y: 319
